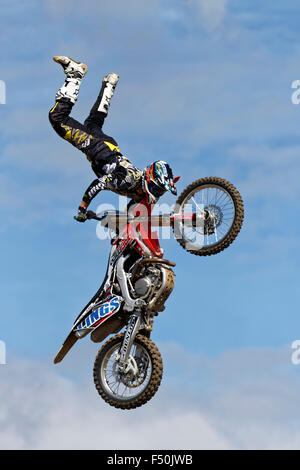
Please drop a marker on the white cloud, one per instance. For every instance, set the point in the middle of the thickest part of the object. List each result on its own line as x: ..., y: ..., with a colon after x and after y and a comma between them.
x: 271, y: 171
x: 243, y: 399
x: 210, y: 12
x: 44, y: 411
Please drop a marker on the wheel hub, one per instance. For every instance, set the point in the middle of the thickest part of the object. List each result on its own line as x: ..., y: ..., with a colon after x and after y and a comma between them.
x: 213, y: 218
x: 134, y: 373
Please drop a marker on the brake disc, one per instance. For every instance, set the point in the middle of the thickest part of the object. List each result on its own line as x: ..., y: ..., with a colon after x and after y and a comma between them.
x: 131, y: 379
x: 214, y: 219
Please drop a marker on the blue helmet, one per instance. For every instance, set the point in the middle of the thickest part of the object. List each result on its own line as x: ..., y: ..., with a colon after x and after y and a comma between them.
x: 158, y: 178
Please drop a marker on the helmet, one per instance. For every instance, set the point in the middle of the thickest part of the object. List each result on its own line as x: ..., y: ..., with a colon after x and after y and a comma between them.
x: 157, y: 179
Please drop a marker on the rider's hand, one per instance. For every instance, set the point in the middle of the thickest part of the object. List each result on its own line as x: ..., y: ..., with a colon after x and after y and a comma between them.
x: 81, y: 216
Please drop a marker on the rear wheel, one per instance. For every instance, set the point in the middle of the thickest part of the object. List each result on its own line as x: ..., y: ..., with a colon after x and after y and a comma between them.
x: 132, y: 389
x: 218, y: 205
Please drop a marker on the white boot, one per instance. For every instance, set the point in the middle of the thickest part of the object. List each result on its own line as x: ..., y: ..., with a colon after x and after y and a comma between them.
x: 71, y: 67
x: 69, y: 90
x: 110, y: 82
x: 75, y: 72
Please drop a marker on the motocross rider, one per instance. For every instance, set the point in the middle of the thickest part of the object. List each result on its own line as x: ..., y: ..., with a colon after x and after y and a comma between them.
x: 114, y: 171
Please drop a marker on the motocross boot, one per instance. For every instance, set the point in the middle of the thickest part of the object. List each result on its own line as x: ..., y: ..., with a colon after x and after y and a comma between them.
x: 75, y: 72
x: 71, y: 67
x: 109, y: 84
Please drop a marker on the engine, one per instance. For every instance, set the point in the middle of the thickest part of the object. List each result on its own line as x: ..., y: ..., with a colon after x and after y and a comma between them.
x: 154, y: 285
x: 148, y: 283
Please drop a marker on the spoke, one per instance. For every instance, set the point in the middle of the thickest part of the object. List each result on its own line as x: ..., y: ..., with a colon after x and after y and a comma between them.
x: 222, y: 233
x: 113, y: 389
x: 114, y: 381
x: 120, y: 388
x: 125, y: 388
x: 225, y: 205
x: 220, y: 197
x: 117, y: 392
x: 225, y: 223
x: 228, y: 208
x: 110, y: 375
x: 201, y: 210
x: 216, y: 233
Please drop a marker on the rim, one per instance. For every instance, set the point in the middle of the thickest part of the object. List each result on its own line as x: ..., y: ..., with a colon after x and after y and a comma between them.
x: 219, y: 203
x: 125, y: 387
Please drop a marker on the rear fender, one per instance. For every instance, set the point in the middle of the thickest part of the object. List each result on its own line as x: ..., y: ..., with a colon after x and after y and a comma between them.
x: 91, y: 321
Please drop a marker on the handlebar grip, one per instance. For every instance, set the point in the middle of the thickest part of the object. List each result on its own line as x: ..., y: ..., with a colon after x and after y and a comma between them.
x: 91, y: 215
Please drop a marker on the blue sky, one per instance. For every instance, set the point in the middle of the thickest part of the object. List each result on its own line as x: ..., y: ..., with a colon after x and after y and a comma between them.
x: 205, y: 85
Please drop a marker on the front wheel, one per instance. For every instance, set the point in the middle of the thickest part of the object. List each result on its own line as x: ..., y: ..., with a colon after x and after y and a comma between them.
x: 134, y: 388
x: 215, y: 210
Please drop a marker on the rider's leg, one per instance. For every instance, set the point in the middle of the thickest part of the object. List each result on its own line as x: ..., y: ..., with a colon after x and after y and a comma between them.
x: 67, y: 127
x: 62, y: 123
x: 75, y: 71
x: 99, y: 111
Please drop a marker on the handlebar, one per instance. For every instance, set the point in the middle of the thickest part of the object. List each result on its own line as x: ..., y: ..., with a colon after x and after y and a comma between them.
x: 92, y: 215
x: 122, y: 218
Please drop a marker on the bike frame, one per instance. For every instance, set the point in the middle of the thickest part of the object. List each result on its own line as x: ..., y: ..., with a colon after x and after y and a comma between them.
x: 134, y: 234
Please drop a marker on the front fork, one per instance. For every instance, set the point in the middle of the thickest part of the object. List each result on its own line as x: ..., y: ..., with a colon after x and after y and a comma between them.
x: 125, y: 361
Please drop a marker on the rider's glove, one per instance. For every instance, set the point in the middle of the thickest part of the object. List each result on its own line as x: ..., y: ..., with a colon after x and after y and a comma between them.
x: 81, y: 216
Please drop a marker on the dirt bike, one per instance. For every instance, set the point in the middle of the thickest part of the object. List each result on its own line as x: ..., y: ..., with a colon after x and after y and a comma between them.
x: 207, y: 217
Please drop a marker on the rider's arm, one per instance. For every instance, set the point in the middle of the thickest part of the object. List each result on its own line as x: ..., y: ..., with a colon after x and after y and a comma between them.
x: 94, y: 188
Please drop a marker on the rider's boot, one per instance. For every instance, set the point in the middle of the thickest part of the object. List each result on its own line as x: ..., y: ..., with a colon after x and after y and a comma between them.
x: 75, y: 71
x: 109, y: 84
